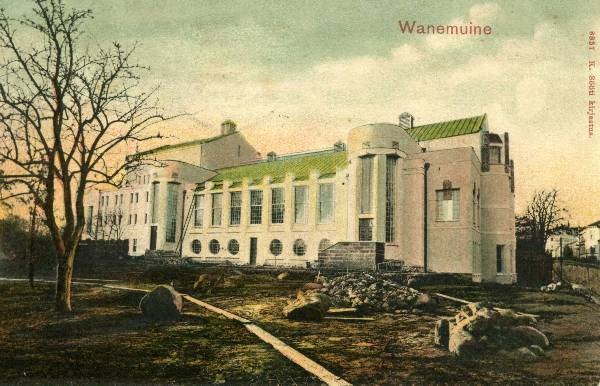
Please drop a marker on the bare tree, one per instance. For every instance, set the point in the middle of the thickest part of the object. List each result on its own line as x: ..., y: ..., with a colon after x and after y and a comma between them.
x: 544, y: 214
x: 65, y: 111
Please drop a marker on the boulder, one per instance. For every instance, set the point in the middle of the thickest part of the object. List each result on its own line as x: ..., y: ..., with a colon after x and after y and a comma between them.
x: 312, y: 286
x: 537, y: 350
x: 235, y: 281
x: 305, y: 308
x: 442, y: 333
x: 209, y: 281
x: 461, y: 342
x: 282, y: 276
x: 162, y: 303
x: 425, y: 301
x: 523, y: 354
x: 530, y: 335
x: 324, y: 300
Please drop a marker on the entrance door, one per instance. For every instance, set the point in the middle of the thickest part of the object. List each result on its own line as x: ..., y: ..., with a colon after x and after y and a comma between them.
x: 253, y: 250
x: 152, y: 237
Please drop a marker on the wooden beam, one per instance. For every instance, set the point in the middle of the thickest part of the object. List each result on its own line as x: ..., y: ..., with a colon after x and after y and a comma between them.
x: 349, y: 319
x: 467, y: 302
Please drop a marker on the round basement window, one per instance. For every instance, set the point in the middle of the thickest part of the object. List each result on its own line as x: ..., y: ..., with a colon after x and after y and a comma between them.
x: 196, y: 246
x: 324, y: 244
x: 214, y: 246
x: 233, y: 247
x: 299, y: 247
x: 276, y: 247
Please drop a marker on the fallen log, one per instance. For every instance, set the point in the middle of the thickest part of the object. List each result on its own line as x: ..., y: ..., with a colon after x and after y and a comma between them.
x: 467, y: 302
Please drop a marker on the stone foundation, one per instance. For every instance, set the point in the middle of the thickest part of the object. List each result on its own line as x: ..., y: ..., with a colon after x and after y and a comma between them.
x: 352, y: 256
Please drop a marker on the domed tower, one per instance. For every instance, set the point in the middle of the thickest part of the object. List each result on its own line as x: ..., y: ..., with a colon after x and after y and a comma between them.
x: 376, y: 153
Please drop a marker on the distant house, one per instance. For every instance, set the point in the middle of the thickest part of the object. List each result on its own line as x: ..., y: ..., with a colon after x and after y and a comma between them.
x: 439, y: 196
x: 590, y: 241
x: 567, y: 239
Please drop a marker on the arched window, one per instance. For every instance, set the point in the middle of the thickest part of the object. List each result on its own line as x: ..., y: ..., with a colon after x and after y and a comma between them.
x: 324, y: 244
x: 276, y: 247
x: 299, y: 247
x: 196, y: 246
x: 233, y: 247
x: 214, y: 246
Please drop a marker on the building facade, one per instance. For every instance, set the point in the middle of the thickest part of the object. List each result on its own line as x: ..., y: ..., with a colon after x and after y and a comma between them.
x: 590, y: 241
x: 567, y: 240
x: 439, y: 196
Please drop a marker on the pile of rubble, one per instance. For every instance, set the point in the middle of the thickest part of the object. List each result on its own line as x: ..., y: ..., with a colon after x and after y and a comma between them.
x: 371, y: 292
x: 480, y: 329
x: 575, y: 289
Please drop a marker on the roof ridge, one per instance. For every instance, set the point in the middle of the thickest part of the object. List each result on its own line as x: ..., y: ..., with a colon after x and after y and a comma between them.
x: 445, y: 129
x: 184, y: 143
x: 449, y: 121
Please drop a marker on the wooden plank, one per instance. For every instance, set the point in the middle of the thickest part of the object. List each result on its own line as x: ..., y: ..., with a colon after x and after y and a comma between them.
x: 298, y: 358
x: 349, y: 318
x: 451, y: 298
x: 340, y: 310
x: 212, y: 308
x: 120, y: 287
x: 467, y: 302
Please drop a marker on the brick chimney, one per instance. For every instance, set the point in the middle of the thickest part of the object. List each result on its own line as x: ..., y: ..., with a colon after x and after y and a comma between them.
x: 406, y: 121
x: 228, y: 127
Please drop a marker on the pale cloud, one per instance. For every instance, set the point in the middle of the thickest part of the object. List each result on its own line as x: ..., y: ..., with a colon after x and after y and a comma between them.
x: 531, y: 97
x: 484, y: 13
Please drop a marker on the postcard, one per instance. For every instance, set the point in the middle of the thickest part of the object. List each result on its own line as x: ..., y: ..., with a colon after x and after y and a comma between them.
x: 302, y: 192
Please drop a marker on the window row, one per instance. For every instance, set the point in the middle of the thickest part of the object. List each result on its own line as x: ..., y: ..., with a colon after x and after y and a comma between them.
x: 275, y: 247
x: 325, y: 206
x: 299, y: 247
x: 118, y: 198
x: 114, y: 218
x: 214, y: 246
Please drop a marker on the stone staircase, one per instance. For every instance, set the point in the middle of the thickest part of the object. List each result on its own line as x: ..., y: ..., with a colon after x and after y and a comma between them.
x: 160, y: 257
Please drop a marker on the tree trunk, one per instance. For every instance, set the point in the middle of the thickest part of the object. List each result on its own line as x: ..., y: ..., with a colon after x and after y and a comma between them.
x: 64, y: 274
x: 31, y: 242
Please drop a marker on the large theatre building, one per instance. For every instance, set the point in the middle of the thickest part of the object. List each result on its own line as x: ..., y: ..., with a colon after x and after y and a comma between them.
x: 438, y: 196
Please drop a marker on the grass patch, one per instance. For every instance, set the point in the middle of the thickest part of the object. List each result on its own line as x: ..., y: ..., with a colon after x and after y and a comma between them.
x: 108, y: 340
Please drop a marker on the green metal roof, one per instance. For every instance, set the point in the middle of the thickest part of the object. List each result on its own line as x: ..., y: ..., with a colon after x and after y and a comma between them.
x: 182, y: 144
x: 447, y: 129
x: 300, y: 166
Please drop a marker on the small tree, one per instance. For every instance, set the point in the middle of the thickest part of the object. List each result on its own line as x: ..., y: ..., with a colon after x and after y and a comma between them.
x: 542, y: 217
x: 65, y: 111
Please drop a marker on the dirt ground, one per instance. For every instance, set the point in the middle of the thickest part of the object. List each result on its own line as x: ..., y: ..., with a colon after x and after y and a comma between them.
x: 108, y: 341
x: 398, y: 348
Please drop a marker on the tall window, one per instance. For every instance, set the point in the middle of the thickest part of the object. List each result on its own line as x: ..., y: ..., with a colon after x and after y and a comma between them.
x: 366, y: 179
x: 390, y: 198
x: 448, y: 204
x: 326, y: 203
x: 256, y: 206
x: 495, y: 154
x: 277, y: 206
x: 499, y: 261
x: 300, y: 200
x: 365, y: 229
x: 217, y: 208
x: 88, y: 219
x: 198, y: 210
x: 154, y: 212
x: 171, y: 212
x: 235, y: 209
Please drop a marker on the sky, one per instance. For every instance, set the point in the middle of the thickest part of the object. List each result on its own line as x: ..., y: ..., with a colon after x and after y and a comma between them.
x: 299, y: 75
